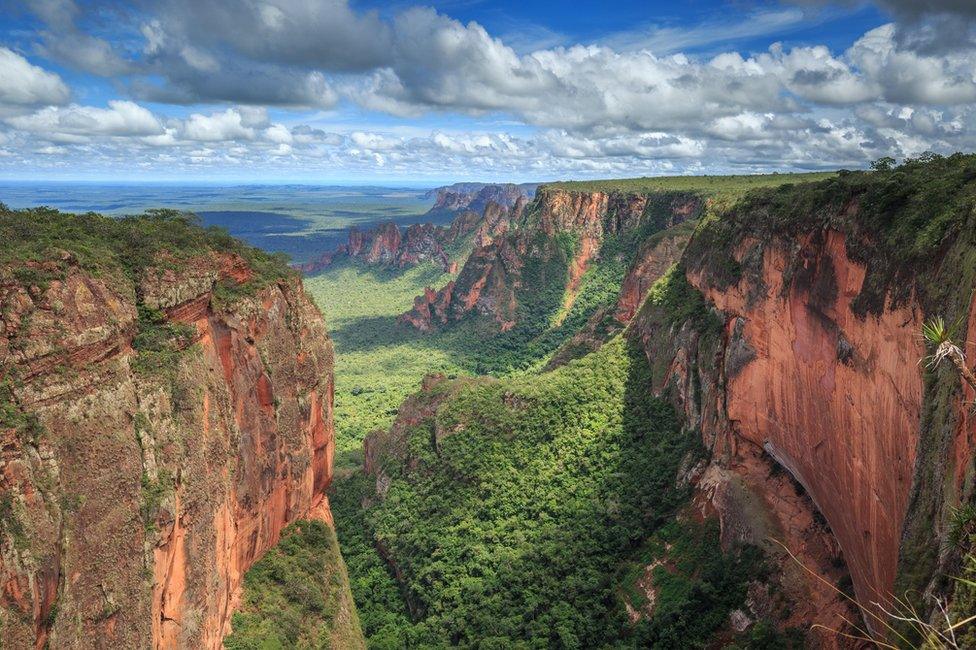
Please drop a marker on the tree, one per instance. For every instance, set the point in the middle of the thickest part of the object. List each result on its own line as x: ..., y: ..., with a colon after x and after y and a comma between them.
x: 883, y: 164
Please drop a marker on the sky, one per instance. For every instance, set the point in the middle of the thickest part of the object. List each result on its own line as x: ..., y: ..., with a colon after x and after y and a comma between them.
x: 327, y: 91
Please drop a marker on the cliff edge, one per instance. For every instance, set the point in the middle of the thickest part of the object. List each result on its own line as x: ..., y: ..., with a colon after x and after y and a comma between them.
x: 165, y: 412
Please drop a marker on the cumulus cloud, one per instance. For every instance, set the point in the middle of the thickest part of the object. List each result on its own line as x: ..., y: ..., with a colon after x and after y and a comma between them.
x: 441, y: 64
x: 65, y: 42
x: 25, y: 84
x: 79, y: 123
x: 623, y: 105
x: 232, y: 124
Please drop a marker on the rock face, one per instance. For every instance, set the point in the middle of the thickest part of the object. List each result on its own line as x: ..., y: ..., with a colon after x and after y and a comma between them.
x: 475, y: 197
x: 833, y: 398
x: 654, y: 258
x: 492, y: 276
x: 814, y: 369
x: 137, y: 484
x: 385, y: 245
x: 483, y: 211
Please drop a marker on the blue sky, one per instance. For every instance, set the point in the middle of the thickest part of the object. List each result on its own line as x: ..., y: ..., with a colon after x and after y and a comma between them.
x: 327, y: 91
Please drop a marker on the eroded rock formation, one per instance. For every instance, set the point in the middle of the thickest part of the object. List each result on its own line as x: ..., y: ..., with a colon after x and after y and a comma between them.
x: 813, y: 367
x: 475, y: 209
x: 138, y: 484
x: 475, y: 197
x: 559, y: 223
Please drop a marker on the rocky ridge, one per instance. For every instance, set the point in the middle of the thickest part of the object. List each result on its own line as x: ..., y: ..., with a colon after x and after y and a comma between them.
x: 557, y: 224
x: 475, y: 210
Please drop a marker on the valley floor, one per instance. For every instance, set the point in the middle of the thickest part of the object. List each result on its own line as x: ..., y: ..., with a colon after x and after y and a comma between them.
x: 378, y: 363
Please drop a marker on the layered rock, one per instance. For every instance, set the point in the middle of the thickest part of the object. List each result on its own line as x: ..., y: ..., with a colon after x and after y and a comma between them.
x: 475, y: 197
x: 814, y: 368
x: 475, y: 209
x: 138, y: 482
x: 492, y: 277
x: 653, y: 259
x: 386, y: 245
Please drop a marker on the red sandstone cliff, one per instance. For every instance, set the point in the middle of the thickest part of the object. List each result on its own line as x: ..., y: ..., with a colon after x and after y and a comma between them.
x: 386, y: 245
x: 475, y: 197
x: 141, y: 488
x: 491, y: 278
x: 478, y: 210
x: 804, y: 377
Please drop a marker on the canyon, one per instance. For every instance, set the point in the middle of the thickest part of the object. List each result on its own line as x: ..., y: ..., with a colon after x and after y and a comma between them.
x: 828, y: 443
x: 675, y: 359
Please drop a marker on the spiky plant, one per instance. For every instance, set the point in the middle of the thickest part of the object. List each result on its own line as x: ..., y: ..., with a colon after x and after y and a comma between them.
x: 938, y: 337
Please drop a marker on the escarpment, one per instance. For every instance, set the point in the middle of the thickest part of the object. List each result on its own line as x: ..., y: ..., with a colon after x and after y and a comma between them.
x: 477, y: 212
x: 162, y: 422
x: 386, y: 245
x: 805, y: 355
x: 787, y: 334
x: 552, y: 241
x: 475, y: 197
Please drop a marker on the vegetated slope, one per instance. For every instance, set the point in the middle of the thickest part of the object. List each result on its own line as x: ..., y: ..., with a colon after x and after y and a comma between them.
x: 787, y: 340
x: 561, y: 264
x: 166, y: 410
x: 378, y: 363
x: 297, y: 595
x: 506, y: 508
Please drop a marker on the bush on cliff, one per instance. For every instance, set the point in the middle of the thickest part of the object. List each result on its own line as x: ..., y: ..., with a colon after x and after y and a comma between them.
x: 293, y: 595
x: 129, y: 245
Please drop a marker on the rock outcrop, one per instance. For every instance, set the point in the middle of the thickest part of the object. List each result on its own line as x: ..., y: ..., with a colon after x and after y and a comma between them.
x: 812, y: 366
x: 558, y: 224
x: 156, y: 439
x: 475, y: 209
x: 386, y: 245
x: 475, y: 197
x: 653, y: 259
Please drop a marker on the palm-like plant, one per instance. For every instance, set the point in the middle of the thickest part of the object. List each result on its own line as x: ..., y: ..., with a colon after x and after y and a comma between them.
x: 939, y: 337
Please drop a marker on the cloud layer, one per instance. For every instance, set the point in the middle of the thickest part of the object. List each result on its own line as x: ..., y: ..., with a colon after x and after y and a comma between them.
x: 589, y: 109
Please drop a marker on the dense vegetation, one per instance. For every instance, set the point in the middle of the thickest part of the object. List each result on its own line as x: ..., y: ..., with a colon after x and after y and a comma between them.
x: 111, y: 247
x: 512, y: 509
x: 378, y: 363
x: 295, y: 596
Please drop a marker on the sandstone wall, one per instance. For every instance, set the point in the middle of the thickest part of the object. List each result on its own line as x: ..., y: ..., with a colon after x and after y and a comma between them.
x: 132, y: 511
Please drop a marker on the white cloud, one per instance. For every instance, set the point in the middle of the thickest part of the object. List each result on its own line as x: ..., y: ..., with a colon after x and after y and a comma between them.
x: 25, y: 84
x: 906, y: 76
x: 279, y: 134
x: 628, y: 105
x: 76, y: 123
x: 231, y: 124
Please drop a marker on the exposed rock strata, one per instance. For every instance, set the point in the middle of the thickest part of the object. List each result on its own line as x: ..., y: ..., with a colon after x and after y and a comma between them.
x: 491, y: 278
x: 483, y: 211
x: 136, y: 504
x: 799, y: 380
x: 475, y: 197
